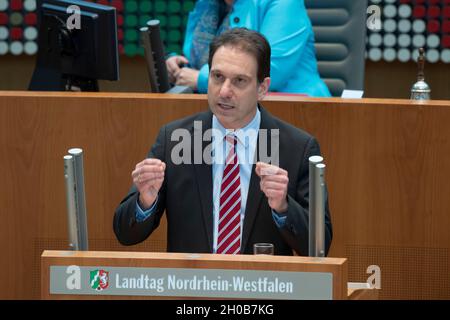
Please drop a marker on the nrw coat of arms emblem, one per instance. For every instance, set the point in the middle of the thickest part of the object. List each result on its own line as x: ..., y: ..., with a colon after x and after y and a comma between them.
x: 99, y: 279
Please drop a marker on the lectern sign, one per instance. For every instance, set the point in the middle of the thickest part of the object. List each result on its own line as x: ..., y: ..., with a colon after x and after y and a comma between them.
x: 188, y: 282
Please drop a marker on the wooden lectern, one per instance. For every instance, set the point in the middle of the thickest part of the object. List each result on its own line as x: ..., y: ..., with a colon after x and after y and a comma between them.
x: 138, y: 275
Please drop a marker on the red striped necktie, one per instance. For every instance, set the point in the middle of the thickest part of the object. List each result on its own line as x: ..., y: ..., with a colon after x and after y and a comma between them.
x: 229, y: 238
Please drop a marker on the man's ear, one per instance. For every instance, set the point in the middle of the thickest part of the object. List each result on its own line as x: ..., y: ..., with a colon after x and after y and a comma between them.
x: 263, y: 88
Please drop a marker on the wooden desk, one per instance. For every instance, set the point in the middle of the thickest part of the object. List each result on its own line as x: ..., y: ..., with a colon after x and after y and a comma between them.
x: 387, y: 174
x: 363, y: 294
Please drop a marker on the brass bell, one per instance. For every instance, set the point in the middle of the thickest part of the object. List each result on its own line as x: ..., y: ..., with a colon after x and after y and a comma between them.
x: 420, y: 90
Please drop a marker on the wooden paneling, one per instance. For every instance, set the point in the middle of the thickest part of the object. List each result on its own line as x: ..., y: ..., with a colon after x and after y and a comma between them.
x: 387, y: 174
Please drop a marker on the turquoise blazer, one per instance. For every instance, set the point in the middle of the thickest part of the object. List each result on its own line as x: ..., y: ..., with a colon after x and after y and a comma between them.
x: 287, y: 27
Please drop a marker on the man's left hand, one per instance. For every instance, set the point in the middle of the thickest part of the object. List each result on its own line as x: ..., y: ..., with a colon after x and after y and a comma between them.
x: 274, y: 184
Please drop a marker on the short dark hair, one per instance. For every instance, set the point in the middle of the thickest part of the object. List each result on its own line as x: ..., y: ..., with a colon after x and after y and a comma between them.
x: 249, y: 41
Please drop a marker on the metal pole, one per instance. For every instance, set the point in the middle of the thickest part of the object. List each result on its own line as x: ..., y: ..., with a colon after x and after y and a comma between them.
x: 80, y: 198
x: 313, y: 161
x: 71, y: 202
x: 320, y: 209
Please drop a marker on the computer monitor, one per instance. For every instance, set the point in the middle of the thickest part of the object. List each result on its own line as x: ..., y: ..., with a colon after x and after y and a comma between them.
x: 73, y: 54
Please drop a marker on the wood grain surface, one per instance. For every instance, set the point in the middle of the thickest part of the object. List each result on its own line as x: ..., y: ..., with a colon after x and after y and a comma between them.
x: 387, y: 174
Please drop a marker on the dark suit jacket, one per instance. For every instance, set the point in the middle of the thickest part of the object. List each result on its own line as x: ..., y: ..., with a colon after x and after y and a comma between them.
x: 186, y: 196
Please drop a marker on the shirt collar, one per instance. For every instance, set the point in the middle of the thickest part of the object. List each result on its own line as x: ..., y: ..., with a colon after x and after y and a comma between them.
x: 241, y: 133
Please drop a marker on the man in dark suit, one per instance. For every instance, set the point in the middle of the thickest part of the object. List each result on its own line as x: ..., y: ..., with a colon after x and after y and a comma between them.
x: 202, y: 172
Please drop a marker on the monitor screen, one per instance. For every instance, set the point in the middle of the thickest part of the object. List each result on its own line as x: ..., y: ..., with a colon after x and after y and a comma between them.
x: 77, y: 45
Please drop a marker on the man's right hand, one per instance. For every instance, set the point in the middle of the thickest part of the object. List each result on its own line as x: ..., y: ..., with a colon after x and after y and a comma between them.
x: 174, y: 64
x: 148, y: 177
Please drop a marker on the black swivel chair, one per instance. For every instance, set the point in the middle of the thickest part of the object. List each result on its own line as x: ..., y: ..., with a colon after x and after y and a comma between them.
x: 340, y: 33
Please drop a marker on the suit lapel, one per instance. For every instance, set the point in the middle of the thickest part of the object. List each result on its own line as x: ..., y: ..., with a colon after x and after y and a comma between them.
x: 203, y: 174
x: 255, y: 195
